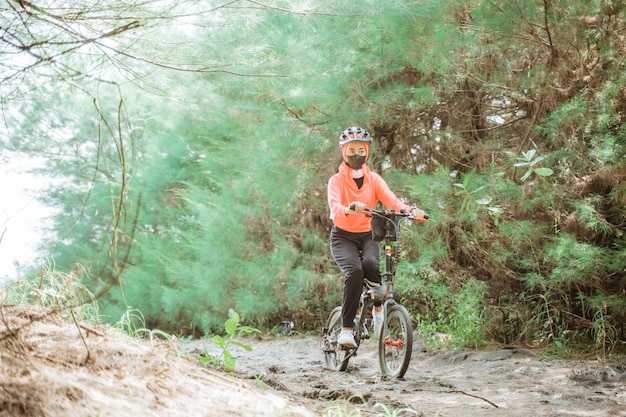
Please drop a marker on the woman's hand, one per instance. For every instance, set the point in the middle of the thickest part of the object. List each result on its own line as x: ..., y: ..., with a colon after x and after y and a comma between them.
x: 356, y: 207
x: 418, y: 213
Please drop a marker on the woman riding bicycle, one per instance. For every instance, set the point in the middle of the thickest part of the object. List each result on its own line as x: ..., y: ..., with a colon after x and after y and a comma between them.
x: 350, y: 191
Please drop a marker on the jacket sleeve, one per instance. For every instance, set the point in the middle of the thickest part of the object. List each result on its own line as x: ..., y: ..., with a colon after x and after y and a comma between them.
x: 337, y: 209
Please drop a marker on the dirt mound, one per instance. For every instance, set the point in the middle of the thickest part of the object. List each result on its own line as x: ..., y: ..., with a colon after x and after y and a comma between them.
x: 51, y: 367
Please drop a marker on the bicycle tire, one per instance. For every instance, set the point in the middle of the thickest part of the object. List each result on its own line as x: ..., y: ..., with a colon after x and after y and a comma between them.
x: 336, y: 357
x: 395, y: 344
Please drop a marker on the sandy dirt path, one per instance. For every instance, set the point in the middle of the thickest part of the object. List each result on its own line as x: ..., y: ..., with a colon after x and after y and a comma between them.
x: 53, y: 367
x: 501, y: 382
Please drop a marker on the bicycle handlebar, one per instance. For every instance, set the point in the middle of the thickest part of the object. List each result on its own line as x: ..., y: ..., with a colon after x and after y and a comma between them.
x: 387, y: 213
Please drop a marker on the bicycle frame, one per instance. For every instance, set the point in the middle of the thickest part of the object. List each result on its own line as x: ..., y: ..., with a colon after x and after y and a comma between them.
x: 392, y: 251
x: 392, y: 254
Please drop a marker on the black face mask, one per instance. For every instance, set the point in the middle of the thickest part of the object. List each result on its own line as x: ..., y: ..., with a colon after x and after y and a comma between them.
x: 355, y: 161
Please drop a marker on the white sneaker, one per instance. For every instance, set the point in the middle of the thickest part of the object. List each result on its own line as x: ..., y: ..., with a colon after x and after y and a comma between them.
x: 378, y: 317
x: 346, y: 339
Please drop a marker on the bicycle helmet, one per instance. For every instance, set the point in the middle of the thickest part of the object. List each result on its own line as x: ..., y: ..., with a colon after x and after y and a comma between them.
x: 354, y: 134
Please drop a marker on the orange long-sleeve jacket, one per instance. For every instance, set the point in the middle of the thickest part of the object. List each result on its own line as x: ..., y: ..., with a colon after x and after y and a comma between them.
x: 342, y: 190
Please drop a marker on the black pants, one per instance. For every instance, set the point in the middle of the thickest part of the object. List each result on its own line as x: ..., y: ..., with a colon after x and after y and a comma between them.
x: 358, y: 257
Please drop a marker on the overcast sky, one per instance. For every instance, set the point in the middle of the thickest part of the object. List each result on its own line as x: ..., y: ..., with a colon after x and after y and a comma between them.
x: 21, y: 217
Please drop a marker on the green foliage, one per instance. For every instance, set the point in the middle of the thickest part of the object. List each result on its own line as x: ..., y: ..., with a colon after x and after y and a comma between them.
x: 587, y: 211
x: 459, y: 315
x: 578, y: 269
x: 519, y: 241
x: 574, y: 262
x: 547, y: 324
x: 529, y: 160
x: 468, y: 195
x: 606, y: 312
x: 225, y: 358
x: 438, y: 307
x: 472, y: 199
x: 185, y: 193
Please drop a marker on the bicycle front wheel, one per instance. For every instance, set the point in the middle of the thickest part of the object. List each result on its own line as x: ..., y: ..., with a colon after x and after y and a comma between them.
x: 335, y: 356
x: 396, y: 342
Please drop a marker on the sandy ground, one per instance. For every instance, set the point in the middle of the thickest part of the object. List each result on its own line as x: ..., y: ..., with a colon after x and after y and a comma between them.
x: 53, y: 367
x: 502, y: 382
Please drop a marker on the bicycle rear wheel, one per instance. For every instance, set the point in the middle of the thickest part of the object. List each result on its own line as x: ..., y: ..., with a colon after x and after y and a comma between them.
x: 335, y: 356
x: 396, y: 342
